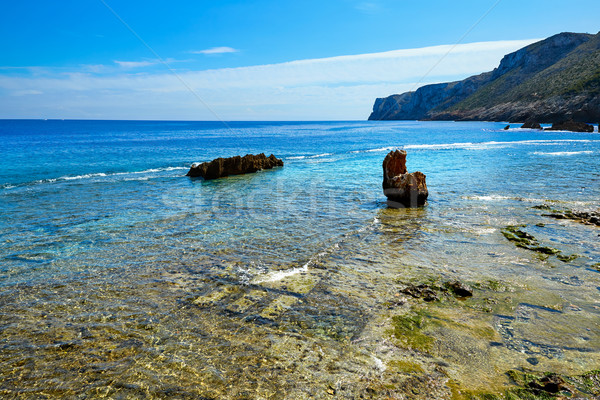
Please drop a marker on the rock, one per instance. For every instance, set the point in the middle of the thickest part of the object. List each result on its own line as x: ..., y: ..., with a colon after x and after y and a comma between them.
x: 459, y: 289
x: 571, y: 126
x: 402, y: 189
x: 584, y: 217
x: 422, y: 291
x: 530, y: 124
x: 222, y: 167
x: 507, y: 127
x: 551, y: 383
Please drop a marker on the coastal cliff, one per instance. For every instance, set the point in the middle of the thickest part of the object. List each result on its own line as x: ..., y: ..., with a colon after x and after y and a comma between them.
x: 553, y: 80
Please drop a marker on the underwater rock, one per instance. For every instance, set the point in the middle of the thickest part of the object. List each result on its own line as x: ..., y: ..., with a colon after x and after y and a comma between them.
x: 422, y: 291
x: 402, y: 189
x: 571, y: 126
x: 459, y: 289
x: 222, y: 167
x: 585, y: 217
x: 551, y: 383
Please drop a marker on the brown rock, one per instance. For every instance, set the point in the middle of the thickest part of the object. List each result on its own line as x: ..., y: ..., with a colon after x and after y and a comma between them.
x: 402, y: 189
x: 571, y: 126
x: 222, y: 167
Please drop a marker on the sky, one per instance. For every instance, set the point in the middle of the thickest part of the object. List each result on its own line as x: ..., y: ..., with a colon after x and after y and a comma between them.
x: 254, y: 60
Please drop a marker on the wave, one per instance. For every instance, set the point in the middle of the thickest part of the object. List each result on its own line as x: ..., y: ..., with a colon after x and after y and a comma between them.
x: 562, y: 153
x: 67, y: 178
x: 495, y: 197
x: 491, y: 144
x: 380, y: 149
x: 313, y: 156
x: 488, y: 198
x: 103, y: 174
x: 280, y: 275
x: 474, y: 145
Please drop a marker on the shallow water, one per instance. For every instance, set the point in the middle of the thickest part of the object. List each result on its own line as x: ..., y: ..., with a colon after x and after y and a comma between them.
x: 120, y: 277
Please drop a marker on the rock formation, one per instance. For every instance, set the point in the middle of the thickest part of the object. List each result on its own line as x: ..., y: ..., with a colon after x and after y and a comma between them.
x: 402, y: 189
x: 571, y: 126
x: 549, y: 81
x: 222, y: 167
x: 531, y: 125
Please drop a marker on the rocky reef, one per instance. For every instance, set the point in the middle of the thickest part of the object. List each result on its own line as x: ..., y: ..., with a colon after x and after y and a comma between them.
x: 584, y: 217
x: 553, y: 80
x: 222, y: 167
x: 572, y: 126
x: 402, y: 189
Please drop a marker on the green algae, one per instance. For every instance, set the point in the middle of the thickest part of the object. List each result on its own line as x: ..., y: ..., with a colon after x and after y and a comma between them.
x: 567, y: 258
x: 527, y: 241
x: 408, y: 329
x: 591, y: 381
x: 532, y: 385
x: 405, y: 366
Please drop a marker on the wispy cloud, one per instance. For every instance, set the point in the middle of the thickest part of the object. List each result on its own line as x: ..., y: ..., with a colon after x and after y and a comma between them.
x: 27, y: 92
x: 215, y: 50
x: 135, y: 64
x: 343, y: 87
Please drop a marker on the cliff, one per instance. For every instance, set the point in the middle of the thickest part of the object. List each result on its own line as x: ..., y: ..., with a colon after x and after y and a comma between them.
x: 549, y: 81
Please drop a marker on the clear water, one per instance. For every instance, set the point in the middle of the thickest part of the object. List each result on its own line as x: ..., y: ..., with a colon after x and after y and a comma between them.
x: 122, y: 278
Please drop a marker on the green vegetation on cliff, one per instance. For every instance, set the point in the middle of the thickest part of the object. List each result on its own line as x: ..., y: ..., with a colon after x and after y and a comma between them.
x: 549, y: 81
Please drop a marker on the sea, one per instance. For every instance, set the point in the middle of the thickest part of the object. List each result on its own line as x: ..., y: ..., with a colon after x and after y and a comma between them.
x: 121, y: 277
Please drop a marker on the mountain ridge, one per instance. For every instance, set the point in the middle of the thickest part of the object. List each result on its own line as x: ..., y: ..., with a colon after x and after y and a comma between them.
x: 549, y: 81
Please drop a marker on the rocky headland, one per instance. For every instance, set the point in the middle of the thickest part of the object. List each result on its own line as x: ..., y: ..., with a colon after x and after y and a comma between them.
x: 554, y: 80
x: 222, y: 167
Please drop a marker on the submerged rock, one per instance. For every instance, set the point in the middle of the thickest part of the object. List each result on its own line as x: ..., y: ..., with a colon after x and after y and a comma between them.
x: 460, y: 289
x: 422, y: 291
x: 571, y: 126
x: 402, y: 189
x: 551, y: 383
x: 584, y: 217
x: 222, y: 167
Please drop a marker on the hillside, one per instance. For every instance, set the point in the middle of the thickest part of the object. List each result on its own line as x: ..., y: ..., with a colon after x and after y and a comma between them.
x: 552, y: 80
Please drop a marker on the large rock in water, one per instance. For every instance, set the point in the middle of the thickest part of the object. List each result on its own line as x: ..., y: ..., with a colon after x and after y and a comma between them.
x: 530, y: 124
x: 572, y: 126
x: 401, y: 188
x: 237, y: 165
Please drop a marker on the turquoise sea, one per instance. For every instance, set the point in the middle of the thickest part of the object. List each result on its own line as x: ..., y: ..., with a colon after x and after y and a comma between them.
x: 120, y: 277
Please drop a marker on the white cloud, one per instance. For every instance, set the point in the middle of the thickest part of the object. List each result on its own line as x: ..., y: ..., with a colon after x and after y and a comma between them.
x: 134, y: 64
x: 215, y: 50
x: 26, y: 92
x: 343, y: 87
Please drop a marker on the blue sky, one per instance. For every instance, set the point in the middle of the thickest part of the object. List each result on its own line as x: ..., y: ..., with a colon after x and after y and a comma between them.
x: 254, y: 60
